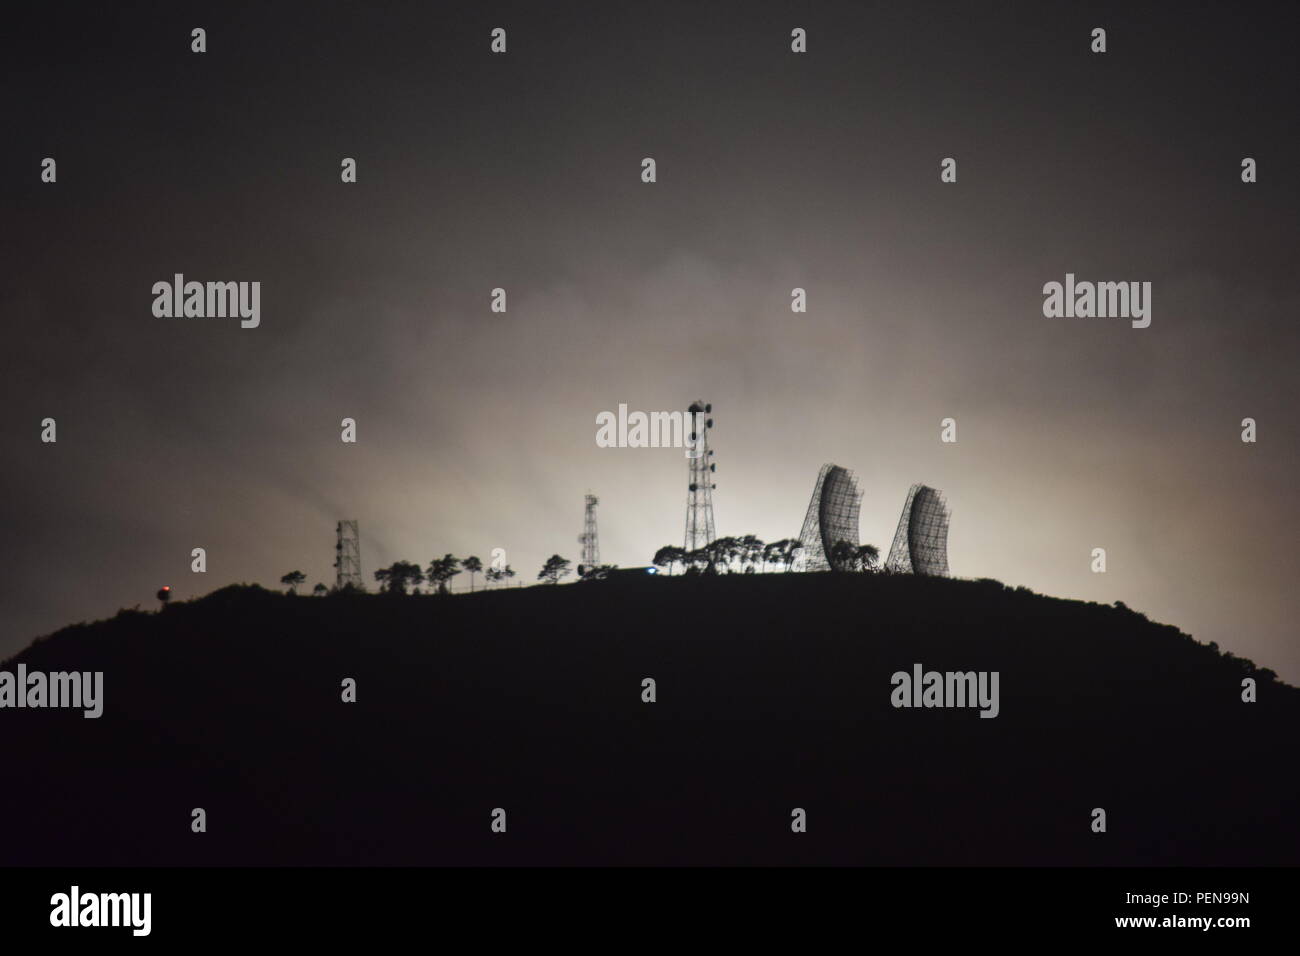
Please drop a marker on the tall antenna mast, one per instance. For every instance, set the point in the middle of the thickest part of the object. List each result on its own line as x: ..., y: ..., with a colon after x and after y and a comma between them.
x: 699, y: 501
x: 348, y: 557
x: 590, y: 543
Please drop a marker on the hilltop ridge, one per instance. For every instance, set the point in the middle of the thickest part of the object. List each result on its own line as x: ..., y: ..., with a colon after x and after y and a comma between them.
x: 773, y: 692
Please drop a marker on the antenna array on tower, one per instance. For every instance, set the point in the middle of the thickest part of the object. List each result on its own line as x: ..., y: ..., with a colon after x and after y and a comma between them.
x: 699, y: 501
x: 590, y: 543
x: 347, y: 558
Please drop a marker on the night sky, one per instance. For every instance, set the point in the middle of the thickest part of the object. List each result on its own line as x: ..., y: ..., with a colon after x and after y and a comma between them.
x: 477, y: 430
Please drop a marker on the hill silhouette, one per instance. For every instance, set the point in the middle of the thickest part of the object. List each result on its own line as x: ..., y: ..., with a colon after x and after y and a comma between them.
x: 773, y: 692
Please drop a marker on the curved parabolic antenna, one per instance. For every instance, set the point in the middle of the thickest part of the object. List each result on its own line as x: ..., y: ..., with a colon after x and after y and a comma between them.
x: 832, y: 516
x: 811, y: 556
x: 921, y: 541
x: 837, y: 513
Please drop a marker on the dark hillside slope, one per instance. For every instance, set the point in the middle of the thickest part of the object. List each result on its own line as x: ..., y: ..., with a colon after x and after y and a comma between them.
x: 773, y: 693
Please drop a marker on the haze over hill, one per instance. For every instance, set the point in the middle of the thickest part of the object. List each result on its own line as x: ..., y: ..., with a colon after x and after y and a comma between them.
x: 773, y: 692
x: 776, y: 170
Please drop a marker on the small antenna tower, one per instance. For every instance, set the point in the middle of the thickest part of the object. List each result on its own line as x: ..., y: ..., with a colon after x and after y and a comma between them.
x: 590, y: 543
x: 347, y: 559
x: 699, y: 501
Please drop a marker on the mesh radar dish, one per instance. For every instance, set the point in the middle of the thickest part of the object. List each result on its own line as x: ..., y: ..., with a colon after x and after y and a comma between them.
x: 837, y: 513
x: 812, y: 557
x: 832, y: 516
x: 921, y: 541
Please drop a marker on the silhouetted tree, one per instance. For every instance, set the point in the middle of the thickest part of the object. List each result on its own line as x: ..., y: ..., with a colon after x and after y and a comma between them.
x: 720, y: 551
x: 493, y: 576
x: 293, y: 579
x: 669, y: 555
x: 842, y: 555
x: 320, y: 590
x: 751, y: 550
x: 597, y: 572
x: 729, y: 549
x: 773, y: 553
x: 401, y: 575
x: 868, y: 557
x: 501, y: 575
x: 846, y: 556
x: 793, y: 547
x: 411, y: 573
x: 473, y: 565
x: 555, y: 568
x: 442, y: 570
